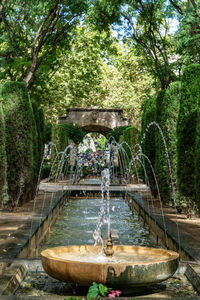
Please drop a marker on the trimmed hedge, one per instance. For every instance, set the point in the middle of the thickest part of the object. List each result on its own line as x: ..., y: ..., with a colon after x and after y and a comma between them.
x: 21, y: 136
x: 39, y: 151
x: 168, y: 103
x: 187, y: 134
x: 75, y: 133
x: 148, y: 145
x: 60, y: 137
x: 3, y: 163
x: 116, y: 133
x: 130, y: 136
x: 197, y: 163
x: 160, y: 165
x: 47, y: 133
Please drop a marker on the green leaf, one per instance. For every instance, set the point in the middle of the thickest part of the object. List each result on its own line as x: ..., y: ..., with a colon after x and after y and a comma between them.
x: 103, y: 290
x: 93, y: 292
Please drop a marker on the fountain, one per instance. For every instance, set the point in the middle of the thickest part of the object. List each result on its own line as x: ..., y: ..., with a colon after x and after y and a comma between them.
x: 116, y: 265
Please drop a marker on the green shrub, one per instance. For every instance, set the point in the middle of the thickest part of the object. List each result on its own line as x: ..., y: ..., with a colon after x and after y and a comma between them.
x: 21, y: 135
x: 39, y: 151
x: 168, y: 103
x: 46, y: 168
x: 130, y: 136
x: 60, y: 137
x: 148, y: 144
x: 116, y: 132
x: 3, y: 163
x: 197, y: 163
x: 47, y: 133
x: 186, y: 131
x: 75, y: 133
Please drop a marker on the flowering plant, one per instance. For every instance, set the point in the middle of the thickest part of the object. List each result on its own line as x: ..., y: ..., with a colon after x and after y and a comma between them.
x: 114, y: 293
x: 97, y: 289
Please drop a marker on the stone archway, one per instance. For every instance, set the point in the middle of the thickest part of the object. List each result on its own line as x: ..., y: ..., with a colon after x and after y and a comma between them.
x: 95, y: 119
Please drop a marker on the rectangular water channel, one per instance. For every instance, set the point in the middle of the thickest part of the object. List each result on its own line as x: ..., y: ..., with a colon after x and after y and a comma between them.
x: 75, y: 226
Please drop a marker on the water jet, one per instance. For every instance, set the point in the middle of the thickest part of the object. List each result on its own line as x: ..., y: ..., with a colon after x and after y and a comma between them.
x: 112, y: 265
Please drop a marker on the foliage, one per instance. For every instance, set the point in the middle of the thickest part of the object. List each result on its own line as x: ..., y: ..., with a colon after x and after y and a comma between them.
x: 21, y: 136
x: 46, y: 168
x: 60, y: 137
x: 62, y: 133
x: 100, y: 141
x: 75, y: 133
x: 148, y: 139
x: 77, y: 80
x: 116, y: 132
x: 188, y: 34
x: 130, y: 136
x: 3, y: 163
x: 197, y: 161
x: 47, y: 132
x: 39, y: 147
x: 186, y: 130
x: 100, y: 72
x: 167, y: 114
x: 96, y: 290
x: 147, y: 26
x: 127, y: 83
x: 32, y: 34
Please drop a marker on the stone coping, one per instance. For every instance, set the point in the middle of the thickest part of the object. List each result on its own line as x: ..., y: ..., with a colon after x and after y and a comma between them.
x: 188, y: 244
x: 22, y: 235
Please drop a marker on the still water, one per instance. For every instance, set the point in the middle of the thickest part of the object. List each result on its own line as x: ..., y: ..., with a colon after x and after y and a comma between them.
x: 76, y: 224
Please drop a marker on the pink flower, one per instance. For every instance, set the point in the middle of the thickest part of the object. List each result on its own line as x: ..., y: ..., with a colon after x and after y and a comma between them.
x: 114, y: 293
x: 111, y: 295
x: 117, y: 293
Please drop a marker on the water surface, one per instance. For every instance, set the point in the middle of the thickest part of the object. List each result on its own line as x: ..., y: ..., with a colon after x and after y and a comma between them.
x: 76, y: 224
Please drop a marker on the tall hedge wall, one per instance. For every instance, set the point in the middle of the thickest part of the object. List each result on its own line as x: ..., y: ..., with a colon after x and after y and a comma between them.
x: 168, y: 103
x: 21, y: 135
x: 3, y: 163
x: 130, y: 136
x: 160, y: 171
x: 148, y: 145
x: 39, y: 151
x: 197, y: 163
x: 60, y: 137
x: 186, y: 131
x: 116, y: 133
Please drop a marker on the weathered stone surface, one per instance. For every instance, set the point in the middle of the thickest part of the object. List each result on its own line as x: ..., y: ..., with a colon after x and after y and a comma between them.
x: 12, y: 278
x: 130, y: 266
x: 94, y: 119
x: 193, y: 274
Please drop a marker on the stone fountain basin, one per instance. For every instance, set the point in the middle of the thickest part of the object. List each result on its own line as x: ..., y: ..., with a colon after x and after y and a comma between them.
x: 129, y: 266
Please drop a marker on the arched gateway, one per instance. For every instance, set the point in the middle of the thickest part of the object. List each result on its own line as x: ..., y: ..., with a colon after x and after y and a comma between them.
x: 95, y: 119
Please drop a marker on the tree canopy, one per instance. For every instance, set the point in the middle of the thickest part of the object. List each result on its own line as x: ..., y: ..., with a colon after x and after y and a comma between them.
x: 66, y: 53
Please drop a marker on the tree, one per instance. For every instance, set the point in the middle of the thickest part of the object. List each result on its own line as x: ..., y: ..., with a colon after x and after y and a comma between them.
x: 32, y: 33
x: 147, y: 25
x: 99, y: 72
x: 77, y: 82
x: 188, y: 34
x: 127, y: 84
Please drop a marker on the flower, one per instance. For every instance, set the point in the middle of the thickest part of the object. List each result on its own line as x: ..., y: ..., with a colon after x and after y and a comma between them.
x: 114, y: 293
x: 111, y: 295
